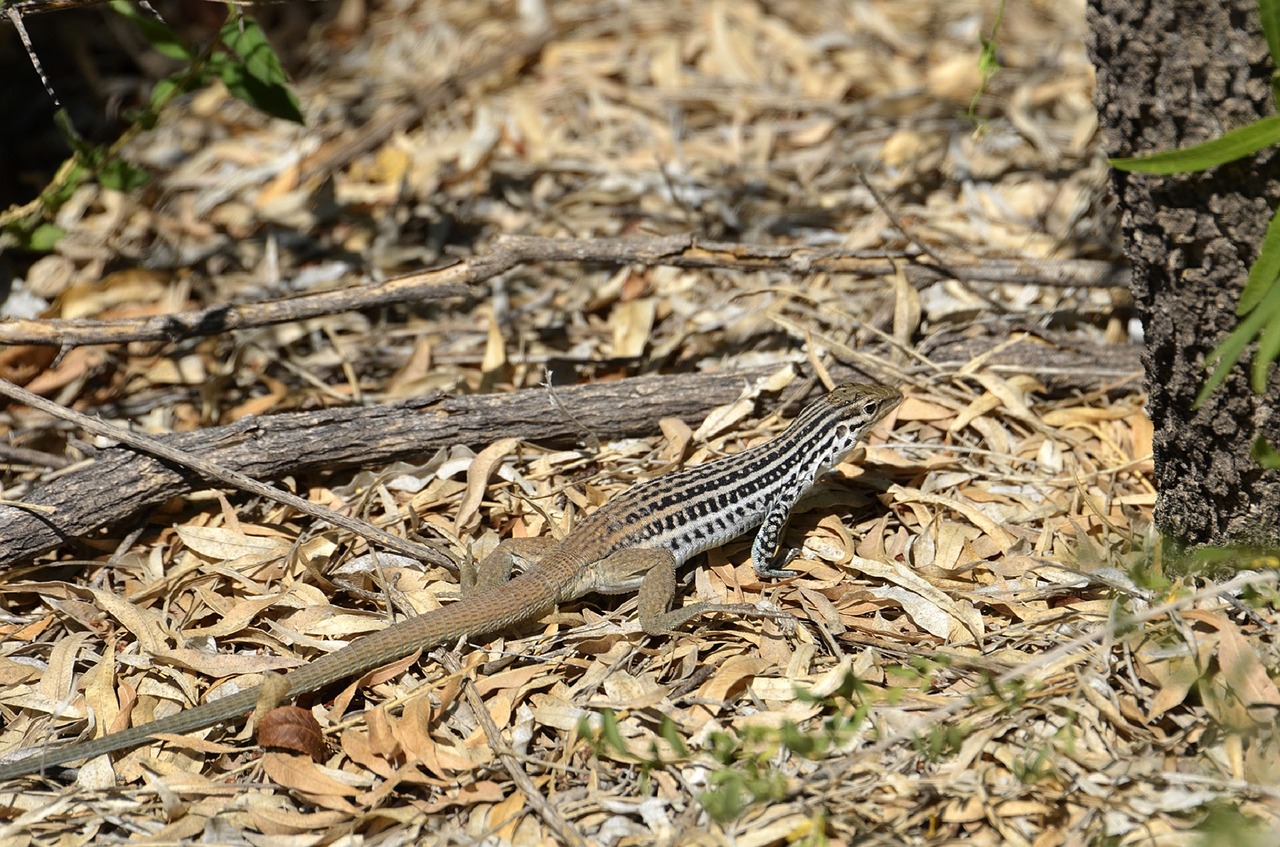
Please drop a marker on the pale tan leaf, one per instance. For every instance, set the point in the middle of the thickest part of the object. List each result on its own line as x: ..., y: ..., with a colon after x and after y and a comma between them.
x: 228, y: 544
x: 322, y: 785
x: 906, y: 312
x: 1245, y: 672
x: 143, y: 624
x: 967, y: 622
x: 632, y: 322
x: 678, y: 435
x: 735, y: 671
x: 972, y: 514
x: 219, y: 665
x: 1175, y: 677
x: 479, y: 473
x: 495, y: 349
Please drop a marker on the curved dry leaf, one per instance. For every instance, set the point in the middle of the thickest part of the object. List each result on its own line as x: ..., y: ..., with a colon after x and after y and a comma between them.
x: 141, y: 624
x: 57, y: 679
x: 479, y: 472
x: 1244, y: 670
x: 729, y: 675
x: 974, y: 515
x: 724, y: 417
x: 906, y: 312
x: 927, y: 615
x: 969, y: 621
x: 220, y: 543
x: 632, y: 321
x: 294, y: 729
x: 355, y: 745
x: 234, y: 617
x: 1175, y: 676
x: 218, y: 665
x: 317, y: 784
x: 678, y: 435
x: 99, y: 684
x: 495, y: 349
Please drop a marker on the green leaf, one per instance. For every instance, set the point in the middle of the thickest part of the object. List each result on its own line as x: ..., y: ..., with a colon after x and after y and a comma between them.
x: 671, y: 734
x: 611, y: 734
x: 1265, y: 271
x: 86, y: 151
x: 164, y: 91
x: 1264, y: 454
x: 1267, y: 352
x: 59, y: 193
x: 164, y: 40
x: 1227, y: 148
x: 258, y: 79
x: 1228, y: 352
x: 44, y: 237
x: 119, y: 175
x: 1269, y: 11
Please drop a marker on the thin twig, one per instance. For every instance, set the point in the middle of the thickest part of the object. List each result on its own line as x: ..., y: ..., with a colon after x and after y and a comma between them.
x: 565, y: 833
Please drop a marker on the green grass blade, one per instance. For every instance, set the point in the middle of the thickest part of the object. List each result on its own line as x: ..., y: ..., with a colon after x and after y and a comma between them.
x: 1269, y: 11
x: 1265, y: 271
x: 1264, y: 454
x: 1228, y: 352
x: 1268, y: 350
x: 1227, y: 148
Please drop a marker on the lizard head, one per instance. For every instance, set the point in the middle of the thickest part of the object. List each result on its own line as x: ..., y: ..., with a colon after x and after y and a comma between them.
x: 846, y: 413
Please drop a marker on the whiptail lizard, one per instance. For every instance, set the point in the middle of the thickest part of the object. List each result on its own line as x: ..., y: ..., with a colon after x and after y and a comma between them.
x: 635, y: 542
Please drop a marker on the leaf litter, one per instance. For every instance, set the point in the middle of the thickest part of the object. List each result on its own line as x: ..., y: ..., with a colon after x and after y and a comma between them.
x: 974, y: 657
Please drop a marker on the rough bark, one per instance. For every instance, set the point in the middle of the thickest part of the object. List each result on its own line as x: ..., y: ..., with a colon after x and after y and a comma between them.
x: 1172, y: 73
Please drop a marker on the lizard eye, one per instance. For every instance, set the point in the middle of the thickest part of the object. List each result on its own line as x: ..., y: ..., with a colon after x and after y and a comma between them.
x: 869, y: 409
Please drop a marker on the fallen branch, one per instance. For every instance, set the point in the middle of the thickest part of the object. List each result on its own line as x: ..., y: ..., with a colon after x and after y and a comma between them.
x: 510, y: 251
x: 120, y: 484
x: 150, y: 445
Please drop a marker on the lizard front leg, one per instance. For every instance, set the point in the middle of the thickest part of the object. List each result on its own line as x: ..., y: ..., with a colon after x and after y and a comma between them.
x: 767, y: 548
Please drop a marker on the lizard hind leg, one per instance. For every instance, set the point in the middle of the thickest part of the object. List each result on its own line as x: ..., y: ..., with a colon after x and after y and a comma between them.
x: 656, y: 572
x: 496, y: 568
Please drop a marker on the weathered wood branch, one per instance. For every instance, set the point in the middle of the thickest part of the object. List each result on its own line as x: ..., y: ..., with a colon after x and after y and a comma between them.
x: 121, y: 484
x: 509, y: 251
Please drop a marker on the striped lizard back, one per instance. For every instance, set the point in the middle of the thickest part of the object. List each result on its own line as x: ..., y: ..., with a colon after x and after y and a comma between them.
x: 708, y: 505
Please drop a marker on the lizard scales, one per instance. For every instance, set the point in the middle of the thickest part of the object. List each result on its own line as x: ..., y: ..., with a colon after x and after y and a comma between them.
x: 632, y: 543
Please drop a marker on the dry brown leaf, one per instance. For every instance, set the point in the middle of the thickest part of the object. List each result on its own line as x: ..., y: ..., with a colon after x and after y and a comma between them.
x: 677, y: 436
x: 292, y: 729
x: 273, y: 820
x: 1175, y: 677
x: 495, y: 350
x: 974, y: 515
x: 316, y: 783
x: 231, y: 545
x: 479, y: 474
x: 234, y: 616
x: 219, y: 665
x: 55, y: 683
x: 1245, y: 673
x: 632, y: 323
x: 964, y: 623
x: 732, y: 673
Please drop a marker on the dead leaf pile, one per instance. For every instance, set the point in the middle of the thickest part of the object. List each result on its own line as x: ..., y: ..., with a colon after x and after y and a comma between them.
x: 988, y: 647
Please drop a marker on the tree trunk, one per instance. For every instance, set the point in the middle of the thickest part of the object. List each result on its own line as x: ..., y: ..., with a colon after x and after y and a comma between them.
x: 1171, y: 73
